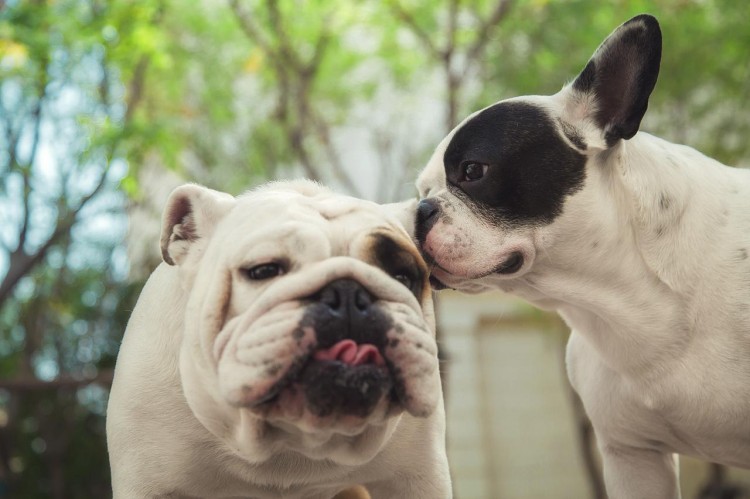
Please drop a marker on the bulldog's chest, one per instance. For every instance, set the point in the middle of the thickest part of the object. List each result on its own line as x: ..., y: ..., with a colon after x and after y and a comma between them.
x: 231, y: 477
x: 692, y: 408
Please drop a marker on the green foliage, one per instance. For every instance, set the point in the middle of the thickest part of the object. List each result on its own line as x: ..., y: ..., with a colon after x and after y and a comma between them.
x: 63, y: 123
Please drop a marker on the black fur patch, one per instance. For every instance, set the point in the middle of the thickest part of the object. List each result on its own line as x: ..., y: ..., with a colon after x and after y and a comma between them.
x: 332, y: 387
x: 585, y: 81
x: 622, y: 74
x: 531, y: 167
x: 395, y: 260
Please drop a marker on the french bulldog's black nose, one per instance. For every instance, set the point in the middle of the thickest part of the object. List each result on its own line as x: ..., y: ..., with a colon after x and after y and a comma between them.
x: 347, y: 298
x: 427, y: 214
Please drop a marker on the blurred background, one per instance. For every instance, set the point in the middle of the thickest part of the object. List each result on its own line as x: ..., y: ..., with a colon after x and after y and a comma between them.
x: 105, y: 106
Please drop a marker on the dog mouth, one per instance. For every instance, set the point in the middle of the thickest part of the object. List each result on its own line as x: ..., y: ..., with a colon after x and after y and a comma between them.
x: 435, y: 283
x: 339, y: 357
x: 348, y: 352
x: 511, y: 265
x: 347, y: 378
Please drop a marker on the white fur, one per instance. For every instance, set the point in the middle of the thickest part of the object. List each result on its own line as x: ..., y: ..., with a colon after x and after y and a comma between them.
x: 198, y: 334
x: 649, y: 264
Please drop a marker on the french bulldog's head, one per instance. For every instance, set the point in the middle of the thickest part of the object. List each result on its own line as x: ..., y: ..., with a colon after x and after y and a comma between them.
x: 512, y: 180
x: 310, y: 314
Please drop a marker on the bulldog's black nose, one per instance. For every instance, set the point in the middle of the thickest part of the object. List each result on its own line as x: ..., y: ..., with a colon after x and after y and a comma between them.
x: 427, y: 214
x: 347, y: 298
x: 345, y: 309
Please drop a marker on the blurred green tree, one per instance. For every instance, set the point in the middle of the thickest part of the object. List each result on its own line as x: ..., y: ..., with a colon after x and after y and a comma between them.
x: 71, y: 75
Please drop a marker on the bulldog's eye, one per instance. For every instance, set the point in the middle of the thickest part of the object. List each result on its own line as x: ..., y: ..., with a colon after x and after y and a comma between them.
x: 263, y: 271
x: 404, y: 279
x: 472, y: 171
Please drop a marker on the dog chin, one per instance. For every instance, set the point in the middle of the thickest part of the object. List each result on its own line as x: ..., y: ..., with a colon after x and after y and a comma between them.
x: 466, y: 276
x: 330, y: 395
x: 441, y: 279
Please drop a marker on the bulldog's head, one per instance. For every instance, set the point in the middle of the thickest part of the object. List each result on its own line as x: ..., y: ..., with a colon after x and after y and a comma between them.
x: 512, y: 181
x: 308, y: 312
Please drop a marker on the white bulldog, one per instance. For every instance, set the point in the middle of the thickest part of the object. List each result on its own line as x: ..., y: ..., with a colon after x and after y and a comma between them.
x: 285, y: 349
x: 642, y: 246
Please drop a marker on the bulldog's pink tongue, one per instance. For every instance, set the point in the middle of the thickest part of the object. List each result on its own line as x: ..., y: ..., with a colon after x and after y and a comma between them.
x: 349, y: 352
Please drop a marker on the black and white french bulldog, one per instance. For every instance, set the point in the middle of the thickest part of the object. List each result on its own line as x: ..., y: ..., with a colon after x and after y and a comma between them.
x: 284, y: 349
x: 641, y: 245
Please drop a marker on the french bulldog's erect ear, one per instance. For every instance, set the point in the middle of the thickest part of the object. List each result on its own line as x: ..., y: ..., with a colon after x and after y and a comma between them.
x: 191, y: 214
x: 616, y: 83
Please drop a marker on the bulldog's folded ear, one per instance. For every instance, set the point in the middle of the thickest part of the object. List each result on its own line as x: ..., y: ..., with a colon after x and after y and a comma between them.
x: 191, y: 214
x: 614, y: 87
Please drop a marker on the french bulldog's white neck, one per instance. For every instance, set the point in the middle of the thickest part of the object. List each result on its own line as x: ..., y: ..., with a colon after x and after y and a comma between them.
x: 627, y: 263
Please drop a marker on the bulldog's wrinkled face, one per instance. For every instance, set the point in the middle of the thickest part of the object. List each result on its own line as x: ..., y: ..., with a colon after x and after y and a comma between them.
x: 310, y: 309
x: 512, y: 182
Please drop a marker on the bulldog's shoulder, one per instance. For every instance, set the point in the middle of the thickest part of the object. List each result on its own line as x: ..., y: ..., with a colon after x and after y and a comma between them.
x: 159, y: 312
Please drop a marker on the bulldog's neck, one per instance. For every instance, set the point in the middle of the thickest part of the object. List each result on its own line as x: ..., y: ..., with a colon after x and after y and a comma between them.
x: 346, y: 449
x: 628, y: 263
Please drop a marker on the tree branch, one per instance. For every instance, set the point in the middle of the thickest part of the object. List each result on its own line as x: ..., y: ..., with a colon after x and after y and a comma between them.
x: 285, y: 51
x: 422, y: 35
x: 452, y: 25
x: 244, y: 18
x: 324, y: 135
x: 502, y: 8
x: 135, y: 89
x: 29, y: 384
x: 36, y: 116
x: 21, y: 262
x: 26, y: 173
x: 11, y: 136
x: 321, y: 44
x: 295, y: 80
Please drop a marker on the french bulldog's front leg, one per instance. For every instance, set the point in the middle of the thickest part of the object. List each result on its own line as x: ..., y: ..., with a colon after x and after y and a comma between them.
x: 631, y: 473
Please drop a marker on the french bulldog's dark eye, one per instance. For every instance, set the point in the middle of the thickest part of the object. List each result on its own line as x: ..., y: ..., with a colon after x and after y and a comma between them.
x: 404, y: 279
x: 471, y: 171
x: 263, y: 271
